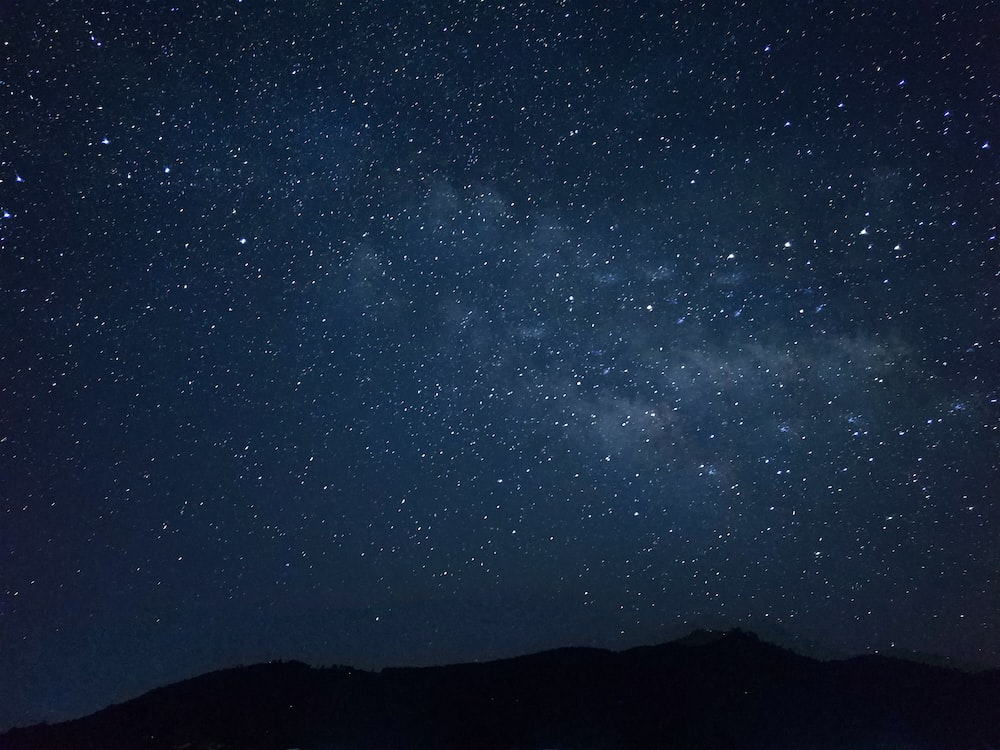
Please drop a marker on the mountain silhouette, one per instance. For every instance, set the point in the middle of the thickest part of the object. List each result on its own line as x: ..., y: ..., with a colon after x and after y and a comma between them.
x: 709, y: 690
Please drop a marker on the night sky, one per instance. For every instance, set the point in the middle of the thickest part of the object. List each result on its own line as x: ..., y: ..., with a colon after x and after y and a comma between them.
x: 395, y: 333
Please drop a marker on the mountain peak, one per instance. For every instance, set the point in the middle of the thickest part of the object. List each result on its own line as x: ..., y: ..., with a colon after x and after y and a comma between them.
x: 708, y: 689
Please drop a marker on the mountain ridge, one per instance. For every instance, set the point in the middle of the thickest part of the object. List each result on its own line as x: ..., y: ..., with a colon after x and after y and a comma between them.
x: 710, y: 689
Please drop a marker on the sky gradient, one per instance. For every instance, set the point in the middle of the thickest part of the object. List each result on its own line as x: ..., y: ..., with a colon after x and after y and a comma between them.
x: 393, y: 333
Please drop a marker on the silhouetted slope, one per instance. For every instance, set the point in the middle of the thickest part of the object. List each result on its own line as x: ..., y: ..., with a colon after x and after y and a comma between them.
x: 706, y: 691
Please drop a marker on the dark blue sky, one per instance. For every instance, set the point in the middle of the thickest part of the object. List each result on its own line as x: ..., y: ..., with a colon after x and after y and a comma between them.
x: 393, y: 333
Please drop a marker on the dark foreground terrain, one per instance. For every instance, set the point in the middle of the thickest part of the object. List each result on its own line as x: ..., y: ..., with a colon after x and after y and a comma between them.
x: 715, y: 691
